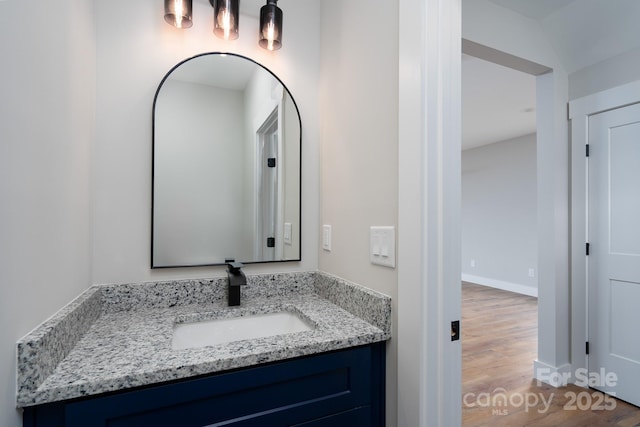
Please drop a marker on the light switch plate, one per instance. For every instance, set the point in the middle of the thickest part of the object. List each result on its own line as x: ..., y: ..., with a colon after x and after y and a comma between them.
x: 383, y: 246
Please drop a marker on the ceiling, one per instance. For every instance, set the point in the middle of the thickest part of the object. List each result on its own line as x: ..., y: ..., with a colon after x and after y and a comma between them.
x: 583, y: 33
x: 231, y: 73
x: 498, y: 103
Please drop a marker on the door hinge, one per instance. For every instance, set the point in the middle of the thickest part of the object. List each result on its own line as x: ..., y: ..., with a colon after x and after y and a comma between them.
x: 271, y: 242
x: 271, y: 162
x: 588, y: 247
x: 587, y: 347
x: 587, y: 150
x: 455, y: 330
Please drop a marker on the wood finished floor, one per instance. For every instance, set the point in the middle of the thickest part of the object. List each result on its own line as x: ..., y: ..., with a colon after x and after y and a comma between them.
x: 499, y: 345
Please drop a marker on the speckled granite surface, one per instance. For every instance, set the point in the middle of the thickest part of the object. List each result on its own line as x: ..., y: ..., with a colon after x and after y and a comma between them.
x: 115, y: 337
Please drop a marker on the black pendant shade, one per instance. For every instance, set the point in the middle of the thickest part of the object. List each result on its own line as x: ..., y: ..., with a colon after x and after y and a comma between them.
x: 270, y: 26
x: 178, y: 13
x: 225, y: 18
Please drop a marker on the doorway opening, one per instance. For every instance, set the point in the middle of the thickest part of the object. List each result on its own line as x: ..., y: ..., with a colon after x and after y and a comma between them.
x: 499, y: 247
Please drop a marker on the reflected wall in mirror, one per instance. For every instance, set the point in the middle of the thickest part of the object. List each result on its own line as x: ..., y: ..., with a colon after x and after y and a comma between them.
x: 226, y: 165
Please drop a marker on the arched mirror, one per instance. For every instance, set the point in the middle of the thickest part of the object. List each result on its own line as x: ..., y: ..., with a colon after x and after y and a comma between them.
x: 226, y: 165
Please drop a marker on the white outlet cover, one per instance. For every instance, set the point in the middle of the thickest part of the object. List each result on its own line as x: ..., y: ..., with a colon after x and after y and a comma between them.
x: 287, y: 233
x: 326, y: 237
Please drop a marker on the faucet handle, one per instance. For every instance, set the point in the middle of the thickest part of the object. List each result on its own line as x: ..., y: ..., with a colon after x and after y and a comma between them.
x: 234, y: 266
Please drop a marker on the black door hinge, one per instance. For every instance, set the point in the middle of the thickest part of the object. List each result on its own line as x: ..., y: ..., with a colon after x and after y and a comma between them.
x: 271, y: 162
x: 588, y: 247
x: 455, y: 330
x: 587, y: 150
x: 271, y: 242
x: 587, y: 347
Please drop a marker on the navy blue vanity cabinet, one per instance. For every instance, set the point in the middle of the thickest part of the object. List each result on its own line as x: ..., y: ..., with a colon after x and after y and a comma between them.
x: 339, y: 388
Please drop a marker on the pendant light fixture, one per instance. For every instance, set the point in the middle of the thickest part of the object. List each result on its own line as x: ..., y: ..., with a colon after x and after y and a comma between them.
x: 225, y: 18
x: 178, y: 13
x: 226, y: 15
x: 270, y: 26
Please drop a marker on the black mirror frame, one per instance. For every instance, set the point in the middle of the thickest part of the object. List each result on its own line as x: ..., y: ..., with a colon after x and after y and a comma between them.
x: 153, y: 122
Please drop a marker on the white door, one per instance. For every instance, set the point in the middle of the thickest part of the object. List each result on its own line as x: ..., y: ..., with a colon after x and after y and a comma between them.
x: 614, y: 252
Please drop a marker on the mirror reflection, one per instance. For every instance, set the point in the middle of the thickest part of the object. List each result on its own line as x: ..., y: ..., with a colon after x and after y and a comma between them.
x: 226, y: 165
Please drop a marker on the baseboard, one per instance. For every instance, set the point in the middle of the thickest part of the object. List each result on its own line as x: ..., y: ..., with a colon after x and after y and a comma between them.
x: 555, y: 376
x: 499, y: 284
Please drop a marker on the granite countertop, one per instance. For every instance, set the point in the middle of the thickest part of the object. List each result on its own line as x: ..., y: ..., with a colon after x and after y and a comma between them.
x: 115, y: 337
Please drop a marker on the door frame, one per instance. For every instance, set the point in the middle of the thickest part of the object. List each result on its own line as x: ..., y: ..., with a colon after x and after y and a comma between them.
x: 264, y: 206
x: 579, y: 112
x: 274, y: 119
x: 429, y: 362
x: 553, y: 362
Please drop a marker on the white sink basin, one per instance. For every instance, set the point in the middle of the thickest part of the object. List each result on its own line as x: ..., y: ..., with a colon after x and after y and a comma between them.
x: 217, y: 331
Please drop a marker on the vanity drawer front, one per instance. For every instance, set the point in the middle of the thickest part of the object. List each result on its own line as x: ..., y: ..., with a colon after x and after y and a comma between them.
x: 279, y: 394
x: 353, y: 418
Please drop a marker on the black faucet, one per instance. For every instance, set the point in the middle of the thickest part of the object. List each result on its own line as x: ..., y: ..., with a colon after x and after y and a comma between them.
x: 236, y: 279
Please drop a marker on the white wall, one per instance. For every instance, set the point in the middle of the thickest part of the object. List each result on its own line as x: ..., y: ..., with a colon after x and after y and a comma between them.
x: 616, y: 71
x: 291, y: 133
x: 46, y: 133
x: 194, y: 140
x: 359, y: 137
x: 135, y: 50
x: 492, y: 25
x: 499, y: 214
